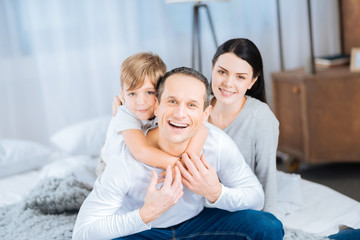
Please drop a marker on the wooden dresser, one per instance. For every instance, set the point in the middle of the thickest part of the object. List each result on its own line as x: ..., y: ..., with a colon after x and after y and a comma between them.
x: 319, y: 114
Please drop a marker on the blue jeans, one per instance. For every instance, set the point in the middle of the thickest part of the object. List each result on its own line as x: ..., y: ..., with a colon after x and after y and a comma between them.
x: 346, y: 234
x: 219, y: 224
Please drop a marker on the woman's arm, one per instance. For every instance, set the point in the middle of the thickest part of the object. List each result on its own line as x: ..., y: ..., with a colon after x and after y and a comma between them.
x: 266, y: 139
x: 135, y: 140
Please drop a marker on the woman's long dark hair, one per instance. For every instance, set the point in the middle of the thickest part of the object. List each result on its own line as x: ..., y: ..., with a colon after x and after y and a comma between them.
x: 246, y: 50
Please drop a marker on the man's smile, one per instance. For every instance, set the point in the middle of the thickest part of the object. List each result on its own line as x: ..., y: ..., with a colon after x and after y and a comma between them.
x: 177, y: 124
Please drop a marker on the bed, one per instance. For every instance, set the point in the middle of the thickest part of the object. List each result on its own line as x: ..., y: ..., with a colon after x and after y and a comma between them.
x: 42, y: 188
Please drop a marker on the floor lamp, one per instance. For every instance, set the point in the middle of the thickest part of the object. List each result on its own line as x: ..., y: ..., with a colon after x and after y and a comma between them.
x: 196, y: 41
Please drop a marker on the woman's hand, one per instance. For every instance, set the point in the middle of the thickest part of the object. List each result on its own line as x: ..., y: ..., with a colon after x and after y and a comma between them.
x: 117, y: 102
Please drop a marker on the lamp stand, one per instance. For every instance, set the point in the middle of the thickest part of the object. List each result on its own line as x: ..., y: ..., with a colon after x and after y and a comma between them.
x: 196, y: 42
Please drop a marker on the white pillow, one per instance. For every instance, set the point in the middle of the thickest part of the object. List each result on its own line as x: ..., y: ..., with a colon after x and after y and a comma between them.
x: 83, y: 138
x: 21, y: 155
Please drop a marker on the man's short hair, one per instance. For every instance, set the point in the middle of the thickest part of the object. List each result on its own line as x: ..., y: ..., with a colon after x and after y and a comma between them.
x: 138, y: 66
x: 187, y: 72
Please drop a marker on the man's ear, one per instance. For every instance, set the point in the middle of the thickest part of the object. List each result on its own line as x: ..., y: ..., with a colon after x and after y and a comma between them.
x: 156, y: 106
x: 207, y: 113
x: 253, y: 81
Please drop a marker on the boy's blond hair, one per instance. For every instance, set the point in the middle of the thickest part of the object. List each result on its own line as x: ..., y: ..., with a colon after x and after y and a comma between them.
x: 138, y: 66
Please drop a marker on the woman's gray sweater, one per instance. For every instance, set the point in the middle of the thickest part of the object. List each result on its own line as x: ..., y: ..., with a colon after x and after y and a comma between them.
x: 255, y: 131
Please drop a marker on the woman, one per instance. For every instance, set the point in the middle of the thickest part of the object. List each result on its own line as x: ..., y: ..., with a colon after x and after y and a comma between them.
x: 240, y: 109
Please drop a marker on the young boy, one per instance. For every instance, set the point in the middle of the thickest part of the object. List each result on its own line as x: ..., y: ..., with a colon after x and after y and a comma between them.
x: 139, y: 76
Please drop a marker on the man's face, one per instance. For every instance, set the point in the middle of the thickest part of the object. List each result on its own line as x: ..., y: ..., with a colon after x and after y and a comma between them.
x: 181, y: 109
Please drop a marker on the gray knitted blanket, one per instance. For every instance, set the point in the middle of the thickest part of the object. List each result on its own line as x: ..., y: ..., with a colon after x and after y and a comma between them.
x: 50, y: 210
x: 297, y: 234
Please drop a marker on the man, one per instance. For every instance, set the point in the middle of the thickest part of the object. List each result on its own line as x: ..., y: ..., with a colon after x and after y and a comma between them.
x: 128, y: 202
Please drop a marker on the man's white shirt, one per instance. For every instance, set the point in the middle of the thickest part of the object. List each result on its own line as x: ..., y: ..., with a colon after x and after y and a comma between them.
x: 112, y: 209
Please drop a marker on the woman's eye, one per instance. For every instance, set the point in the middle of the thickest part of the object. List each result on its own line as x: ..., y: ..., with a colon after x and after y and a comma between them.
x: 221, y: 72
x: 131, y: 94
x: 150, y: 93
x: 241, y: 77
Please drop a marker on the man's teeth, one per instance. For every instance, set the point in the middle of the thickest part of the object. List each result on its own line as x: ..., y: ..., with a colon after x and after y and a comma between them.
x: 178, y: 124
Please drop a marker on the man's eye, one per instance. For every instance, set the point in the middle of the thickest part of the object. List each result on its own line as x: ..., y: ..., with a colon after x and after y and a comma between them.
x: 172, y: 101
x: 192, y: 105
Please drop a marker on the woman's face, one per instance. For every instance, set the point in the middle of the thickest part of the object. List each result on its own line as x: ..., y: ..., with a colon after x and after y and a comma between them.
x: 231, y: 78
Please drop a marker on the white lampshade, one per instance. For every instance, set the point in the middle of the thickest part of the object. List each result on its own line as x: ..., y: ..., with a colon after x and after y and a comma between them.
x: 196, y: 1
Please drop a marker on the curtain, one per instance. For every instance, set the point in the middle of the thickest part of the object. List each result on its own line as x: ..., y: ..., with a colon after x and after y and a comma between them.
x: 60, y: 60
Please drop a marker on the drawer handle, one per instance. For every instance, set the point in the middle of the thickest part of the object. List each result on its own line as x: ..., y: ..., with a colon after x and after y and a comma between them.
x: 296, y: 89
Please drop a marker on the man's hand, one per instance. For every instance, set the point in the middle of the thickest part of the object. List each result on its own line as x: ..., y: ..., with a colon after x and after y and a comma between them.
x: 200, y: 177
x: 157, y: 201
x: 117, y: 102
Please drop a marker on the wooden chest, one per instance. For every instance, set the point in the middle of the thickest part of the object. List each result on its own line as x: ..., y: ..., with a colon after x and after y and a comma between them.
x: 319, y: 114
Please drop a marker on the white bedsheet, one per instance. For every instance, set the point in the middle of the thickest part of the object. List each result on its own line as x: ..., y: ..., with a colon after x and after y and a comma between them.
x: 304, y: 205
x: 14, y: 188
x: 321, y: 210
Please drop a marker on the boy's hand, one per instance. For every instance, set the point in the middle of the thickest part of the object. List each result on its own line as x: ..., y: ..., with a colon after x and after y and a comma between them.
x: 117, y: 102
x: 200, y: 177
x: 157, y: 201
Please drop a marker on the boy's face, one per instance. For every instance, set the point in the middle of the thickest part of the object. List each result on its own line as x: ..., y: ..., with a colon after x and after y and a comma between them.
x: 141, y: 101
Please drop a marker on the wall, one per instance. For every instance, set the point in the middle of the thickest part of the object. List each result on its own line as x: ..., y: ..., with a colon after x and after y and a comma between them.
x: 59, y: 60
